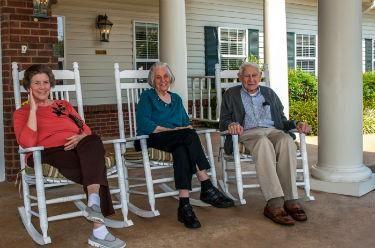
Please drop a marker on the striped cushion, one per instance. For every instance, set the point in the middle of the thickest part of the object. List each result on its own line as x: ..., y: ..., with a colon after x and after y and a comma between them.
x: 52, y: 172
x: 154, y: 155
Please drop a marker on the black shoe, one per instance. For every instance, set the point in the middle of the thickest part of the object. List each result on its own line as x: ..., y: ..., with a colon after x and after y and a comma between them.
x: 186, y: 215
x: 215, y: 198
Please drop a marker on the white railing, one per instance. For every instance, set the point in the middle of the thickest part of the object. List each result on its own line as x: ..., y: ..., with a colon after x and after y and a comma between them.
x: 201, y: 92
x: 204, y: 89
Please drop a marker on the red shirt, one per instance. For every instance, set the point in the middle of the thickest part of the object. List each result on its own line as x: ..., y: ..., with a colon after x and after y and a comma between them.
x: 53, y: 125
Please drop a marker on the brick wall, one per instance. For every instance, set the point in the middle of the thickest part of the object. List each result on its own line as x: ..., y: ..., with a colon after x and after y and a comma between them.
x: 102, y: 119
x: 19, y: 28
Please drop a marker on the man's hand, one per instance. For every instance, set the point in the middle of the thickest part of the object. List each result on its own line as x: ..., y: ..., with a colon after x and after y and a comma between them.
x: 235, y: 128
x: 303, y: 127
x: 73, y: 141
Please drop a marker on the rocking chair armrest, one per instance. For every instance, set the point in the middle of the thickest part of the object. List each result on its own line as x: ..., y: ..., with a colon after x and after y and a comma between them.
x: 30, y: 149
x: 114, y: 141
x: 201, y: 131
x: 137, y: 138
x: 224, y: 133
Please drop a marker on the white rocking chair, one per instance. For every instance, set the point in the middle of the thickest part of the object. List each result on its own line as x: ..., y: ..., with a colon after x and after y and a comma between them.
x: 46, y: 177
x: 233, y: 172
x: 149, y: 159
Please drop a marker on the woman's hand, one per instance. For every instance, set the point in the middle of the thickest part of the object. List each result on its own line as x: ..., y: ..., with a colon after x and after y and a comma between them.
x: 33, y: 104
x: 187, y: 127
x: 73, y: 141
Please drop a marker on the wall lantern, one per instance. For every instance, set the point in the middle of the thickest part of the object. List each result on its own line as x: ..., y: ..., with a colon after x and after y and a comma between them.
x: 104, y: 25
x: 40, y: 8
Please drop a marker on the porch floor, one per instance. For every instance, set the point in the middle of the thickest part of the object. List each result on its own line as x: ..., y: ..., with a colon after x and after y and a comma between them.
x: 334, y: 221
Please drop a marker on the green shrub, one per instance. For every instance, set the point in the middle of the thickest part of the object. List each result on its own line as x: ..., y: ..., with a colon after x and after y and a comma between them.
x: 303, y: 86
x: 369, y: 87
x: 369, y: 121
x: 305, y: 111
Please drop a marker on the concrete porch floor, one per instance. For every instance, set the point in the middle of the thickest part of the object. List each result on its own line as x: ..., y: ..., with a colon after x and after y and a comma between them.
x: 334, y: 221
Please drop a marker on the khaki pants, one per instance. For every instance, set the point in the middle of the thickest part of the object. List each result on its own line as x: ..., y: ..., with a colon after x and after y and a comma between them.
x: 274, y: 154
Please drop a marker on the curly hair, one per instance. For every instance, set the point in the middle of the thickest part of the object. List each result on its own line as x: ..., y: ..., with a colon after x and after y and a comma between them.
x: 37, y: 69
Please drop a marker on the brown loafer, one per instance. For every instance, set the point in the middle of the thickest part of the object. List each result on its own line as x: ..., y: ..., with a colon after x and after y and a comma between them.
x: 295, y: 210
x: 278, y: 215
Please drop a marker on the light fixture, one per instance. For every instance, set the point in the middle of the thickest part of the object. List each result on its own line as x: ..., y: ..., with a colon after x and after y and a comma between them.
x: 40, y: 8
x: 104, y: 25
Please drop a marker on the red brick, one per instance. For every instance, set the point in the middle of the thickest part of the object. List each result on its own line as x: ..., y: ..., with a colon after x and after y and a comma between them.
x: 52, y: 33
x: 20, y: 17
x: 22, y: 59
x: 21, y: 4
x: 8, y: 10
x: 11, y: 53
x: 45, y: 53
x: 23, y: 31
x: 15, y: 24
x: 47, y: 39
x: 39, y: 32
x: 48, y: 26
x: 36, y: 46
x: 41, y: 60
x: 15, y: 38
x: 24, y: 11
x: 5, y: 38
x: 30, y: 24
x: 28, y: 38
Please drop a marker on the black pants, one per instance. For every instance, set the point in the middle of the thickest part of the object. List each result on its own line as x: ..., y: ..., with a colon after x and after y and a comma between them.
x: 84, y: 165
x: 187, y: 152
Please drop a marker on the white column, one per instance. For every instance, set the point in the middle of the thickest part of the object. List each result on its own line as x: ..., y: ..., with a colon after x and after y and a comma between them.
x: 340, y: 166
x: 173, y: 43
x: 275, y: 49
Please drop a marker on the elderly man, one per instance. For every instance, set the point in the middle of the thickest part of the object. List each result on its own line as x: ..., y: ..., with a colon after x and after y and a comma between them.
x: 255, y: 113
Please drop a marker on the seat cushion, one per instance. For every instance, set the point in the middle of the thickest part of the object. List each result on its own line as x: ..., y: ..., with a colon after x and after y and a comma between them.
x: 52, y: 172
x: 154, y: 155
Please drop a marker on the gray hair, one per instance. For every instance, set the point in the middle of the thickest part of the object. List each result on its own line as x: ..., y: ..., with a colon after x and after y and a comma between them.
x: 151, y: 74
x: 249, y: 64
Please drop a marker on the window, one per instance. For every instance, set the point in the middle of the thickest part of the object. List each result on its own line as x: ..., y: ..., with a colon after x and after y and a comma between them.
x: 232, y: 47
x: 373, y: 54
x: 58, y: 48
x: 146, y: 44
x: 306, y: 52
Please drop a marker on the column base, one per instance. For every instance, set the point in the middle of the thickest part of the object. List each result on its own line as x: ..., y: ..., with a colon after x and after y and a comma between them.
x: 344, y: 188
x: 344, y: 174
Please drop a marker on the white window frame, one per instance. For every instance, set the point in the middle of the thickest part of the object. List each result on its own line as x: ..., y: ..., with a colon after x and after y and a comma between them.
x: 245, y: 45
x: 64, y: 41
x: 296, y: 57
x: 373, y: 55
x: 135, y: 60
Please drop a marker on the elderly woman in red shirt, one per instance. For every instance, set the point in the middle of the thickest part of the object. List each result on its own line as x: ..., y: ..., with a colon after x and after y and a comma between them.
x: 70, y: 146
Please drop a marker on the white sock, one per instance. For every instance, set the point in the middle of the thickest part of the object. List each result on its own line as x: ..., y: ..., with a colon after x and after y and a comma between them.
x: 100, y: 232
x: 94, y: 199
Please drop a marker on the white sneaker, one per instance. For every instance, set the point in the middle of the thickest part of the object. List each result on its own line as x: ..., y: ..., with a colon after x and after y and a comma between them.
x: 94, y: 214
x: 109, y: 241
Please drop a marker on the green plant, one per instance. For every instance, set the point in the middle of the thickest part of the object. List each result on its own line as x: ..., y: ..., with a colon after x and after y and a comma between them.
x: 369, y: 121
x: 254, y: 59
x: 303, y: 86
x: 369, y: 87
x: 305, y: 111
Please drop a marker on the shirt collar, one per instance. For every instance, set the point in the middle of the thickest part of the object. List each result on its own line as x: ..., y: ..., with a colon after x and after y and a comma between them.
x: 252, y: 95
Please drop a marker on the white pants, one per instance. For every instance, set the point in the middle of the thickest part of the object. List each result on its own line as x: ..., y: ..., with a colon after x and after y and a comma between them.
x: 274, y: 153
